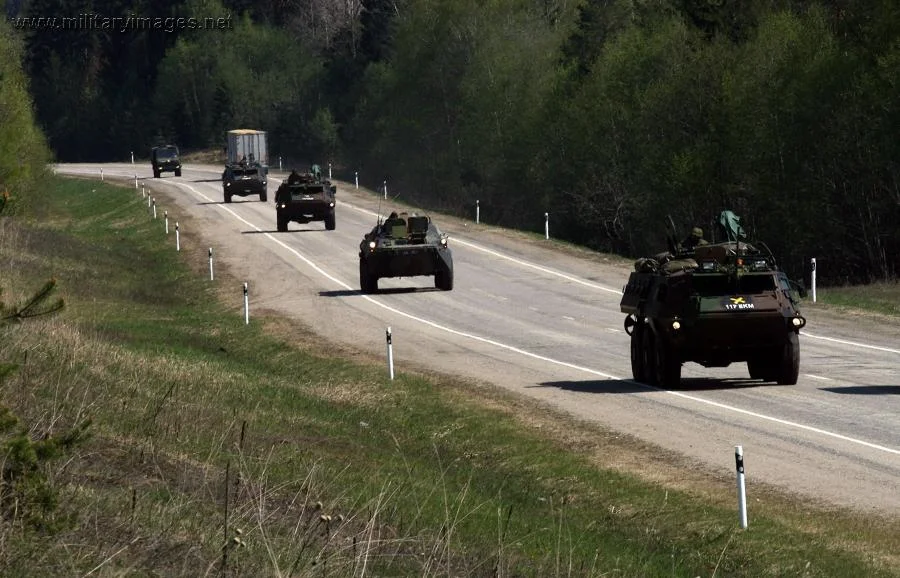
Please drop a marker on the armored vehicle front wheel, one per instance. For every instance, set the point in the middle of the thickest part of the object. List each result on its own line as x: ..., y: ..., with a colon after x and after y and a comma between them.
x: 789, y: 370
x: 443, y: 279
x: 227, y: 198
x: 177, y: 172
x: 329, y: 220
x: 368, y: 283
x: 648, y: 355
x: 282, y: 225
x: 668, y: 366
x: 263, y: 196
x: 638, y: 369
x: 155, y: 173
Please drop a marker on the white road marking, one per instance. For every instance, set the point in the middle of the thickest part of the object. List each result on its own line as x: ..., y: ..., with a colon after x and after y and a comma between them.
x: 542, y: 357
x: 614, y: 330
x: 569, y: 318
x: 851, y: 343
x: 818, y: 377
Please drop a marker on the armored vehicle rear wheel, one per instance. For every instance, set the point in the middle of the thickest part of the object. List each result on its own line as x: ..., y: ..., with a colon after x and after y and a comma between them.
x: 790, y: 361
x: 155, y: 173
x: 227, y: 198
x: 329, y: 220
x: 282, y: 225
x: 638, y: 371
x: 443, y: 279
x: 177, y: 172
x: 368, y: 283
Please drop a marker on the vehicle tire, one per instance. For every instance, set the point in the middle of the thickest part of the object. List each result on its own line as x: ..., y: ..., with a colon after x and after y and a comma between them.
x: 282, y: 225
x: 443, y: 279
x: 668, y: 366
x: 638, y: 370
x: 648, y: 347
x: 155, y: 173
x: 177, y: 172
x: 227, y: 198
x: 760, y: 367
x: 789, y: 369
x: 264, y: 196
x: 367, y: 283
x: 329, y: 221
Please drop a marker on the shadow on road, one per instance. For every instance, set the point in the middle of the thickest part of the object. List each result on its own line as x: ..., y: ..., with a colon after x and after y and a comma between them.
x: 207, y: 181
x: 393, y: 291
x: 283, y: 233
x: 865, y: 389
x: 630, y: 386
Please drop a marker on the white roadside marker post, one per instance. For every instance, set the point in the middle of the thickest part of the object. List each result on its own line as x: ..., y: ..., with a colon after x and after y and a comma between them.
x: 813, y: 262
x: 132, y: 158
x: 154, y: 208
x: 385, y: 188
x: 149, y: 200
x: 546, y: 225
x: 135, y: 180
x: 246, y: 305
x: 356, y: 178
x: 101, y: 174
x: 279, y: 163
x: 177, y: 238
x: 143, y: 191
x: 390, y: 353
x: 211, y: 276
x: 742, y: 489
x: 166, y: 215
x: 329, y: 171
x: 477, y: 212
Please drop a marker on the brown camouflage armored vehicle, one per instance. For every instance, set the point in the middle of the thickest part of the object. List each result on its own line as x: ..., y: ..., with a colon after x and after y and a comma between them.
x: 715, y: 304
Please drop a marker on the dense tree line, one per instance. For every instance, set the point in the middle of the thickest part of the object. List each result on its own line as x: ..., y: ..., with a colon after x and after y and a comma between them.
x: 609, y: 114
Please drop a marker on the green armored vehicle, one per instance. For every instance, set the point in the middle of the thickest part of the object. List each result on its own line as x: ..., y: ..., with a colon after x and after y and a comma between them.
x: 304, y: 198
x: 405, y: 246
x: 713, y: 304
x: 244, y: 179
x: 165, y: 159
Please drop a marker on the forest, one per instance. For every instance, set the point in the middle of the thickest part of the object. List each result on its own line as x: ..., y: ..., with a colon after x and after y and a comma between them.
x: 609, y: 114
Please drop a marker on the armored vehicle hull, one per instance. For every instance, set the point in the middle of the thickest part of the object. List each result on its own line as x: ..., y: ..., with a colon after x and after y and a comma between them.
x: 407, y: 247
x: 165, y: 159
x: 305, y: 202
x: 722, y: 304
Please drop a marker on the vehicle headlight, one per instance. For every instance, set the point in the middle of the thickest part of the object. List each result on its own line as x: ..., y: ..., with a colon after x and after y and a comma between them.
x: 227, y: 184
x: 330, y: 204
x: 371, y: 244
x: 798, y: 321
x: 444, y: 241
x: 676, y: 325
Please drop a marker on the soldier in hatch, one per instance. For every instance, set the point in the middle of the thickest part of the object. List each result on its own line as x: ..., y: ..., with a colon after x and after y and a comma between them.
x: 695, y: 239
x: 294, y: 177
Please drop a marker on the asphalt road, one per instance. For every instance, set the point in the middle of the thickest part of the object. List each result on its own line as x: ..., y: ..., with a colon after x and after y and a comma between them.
x: 545, y: 323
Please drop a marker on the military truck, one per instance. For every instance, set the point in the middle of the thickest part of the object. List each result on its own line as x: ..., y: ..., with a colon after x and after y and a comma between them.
x: 303, y: 198
x: 714, y: 304
x: 246, y: 164
x: 165, y: 159
x: 405, y: 246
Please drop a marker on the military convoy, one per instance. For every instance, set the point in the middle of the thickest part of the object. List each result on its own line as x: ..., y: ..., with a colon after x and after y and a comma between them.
x: 405, y: 246
x: 713, y: 304
x: 303, y: 198
x: 246, y: 165
x: 165, y: 159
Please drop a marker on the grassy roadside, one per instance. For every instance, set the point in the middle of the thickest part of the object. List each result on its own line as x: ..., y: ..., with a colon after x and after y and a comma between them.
x: 881, y: 298
x: 329, y: 469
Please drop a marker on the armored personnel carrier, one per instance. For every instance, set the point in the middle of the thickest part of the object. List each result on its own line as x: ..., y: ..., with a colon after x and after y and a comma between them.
x: 713, y: 304
x: 244, y: 179
x: 405, y: 246
x: 165, y: 159
x: 304, y: 198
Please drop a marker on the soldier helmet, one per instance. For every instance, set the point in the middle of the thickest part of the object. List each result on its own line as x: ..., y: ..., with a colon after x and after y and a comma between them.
x: 697, y: 233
